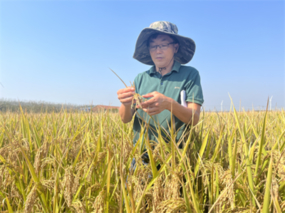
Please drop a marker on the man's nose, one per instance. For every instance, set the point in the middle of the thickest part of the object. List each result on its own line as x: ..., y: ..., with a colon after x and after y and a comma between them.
x: 158, y: 49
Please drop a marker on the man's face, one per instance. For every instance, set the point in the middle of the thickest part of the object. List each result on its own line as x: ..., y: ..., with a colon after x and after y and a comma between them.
x: 160, y: 57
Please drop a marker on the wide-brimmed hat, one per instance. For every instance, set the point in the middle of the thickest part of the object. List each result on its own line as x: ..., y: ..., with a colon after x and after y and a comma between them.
x: 186, y: 45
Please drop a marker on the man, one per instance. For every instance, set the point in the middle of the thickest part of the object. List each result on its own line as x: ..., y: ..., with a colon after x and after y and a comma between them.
x: 163, y: 84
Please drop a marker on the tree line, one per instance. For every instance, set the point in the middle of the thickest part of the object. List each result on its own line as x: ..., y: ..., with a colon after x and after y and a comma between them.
x: 39, y: 106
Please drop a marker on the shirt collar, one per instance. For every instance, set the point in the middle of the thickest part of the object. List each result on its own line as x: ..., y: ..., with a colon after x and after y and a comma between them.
x: 176, y: 67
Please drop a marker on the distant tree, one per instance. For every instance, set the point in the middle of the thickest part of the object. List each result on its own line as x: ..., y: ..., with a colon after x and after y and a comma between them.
x: 37, y: 107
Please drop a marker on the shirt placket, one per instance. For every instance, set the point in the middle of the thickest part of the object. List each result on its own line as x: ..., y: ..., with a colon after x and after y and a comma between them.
x: 161, y: 87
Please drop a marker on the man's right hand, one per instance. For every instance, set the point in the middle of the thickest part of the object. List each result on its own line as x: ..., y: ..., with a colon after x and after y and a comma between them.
x: 126, y: 96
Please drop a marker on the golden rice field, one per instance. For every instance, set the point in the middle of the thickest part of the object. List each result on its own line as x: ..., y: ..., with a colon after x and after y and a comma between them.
x: 81, y: 162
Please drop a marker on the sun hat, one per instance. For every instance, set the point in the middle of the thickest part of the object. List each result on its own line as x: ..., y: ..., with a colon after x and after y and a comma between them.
x: 186, y: 45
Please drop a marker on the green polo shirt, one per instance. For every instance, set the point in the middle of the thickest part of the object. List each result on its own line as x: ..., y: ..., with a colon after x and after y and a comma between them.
x: 180, y: 78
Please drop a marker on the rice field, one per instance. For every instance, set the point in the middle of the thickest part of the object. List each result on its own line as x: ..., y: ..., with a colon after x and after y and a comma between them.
x: 82, y: 162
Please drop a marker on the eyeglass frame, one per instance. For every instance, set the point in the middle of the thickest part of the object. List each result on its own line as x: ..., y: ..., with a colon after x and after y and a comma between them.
x: 165, y: 46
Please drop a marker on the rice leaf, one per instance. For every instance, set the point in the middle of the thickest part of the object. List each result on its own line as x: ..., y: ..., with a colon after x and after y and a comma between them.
x: 248, y: 163
x: 10, y: 210
x: 262, y: 140
x: 266, y: 200
x: 152, y: 162
x: 201, y: 152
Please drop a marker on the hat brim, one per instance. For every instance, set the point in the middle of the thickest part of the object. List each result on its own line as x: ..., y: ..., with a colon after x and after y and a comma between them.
x: 185, y: 52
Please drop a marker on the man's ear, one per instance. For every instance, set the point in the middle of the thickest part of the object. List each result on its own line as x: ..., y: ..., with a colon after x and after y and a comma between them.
x: 176, y: 46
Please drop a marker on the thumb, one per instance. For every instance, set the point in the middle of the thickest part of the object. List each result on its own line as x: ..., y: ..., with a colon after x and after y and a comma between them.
x: 148, y: 95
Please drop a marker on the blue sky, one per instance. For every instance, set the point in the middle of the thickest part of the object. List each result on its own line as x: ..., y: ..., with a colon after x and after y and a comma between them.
x: 61, y: 51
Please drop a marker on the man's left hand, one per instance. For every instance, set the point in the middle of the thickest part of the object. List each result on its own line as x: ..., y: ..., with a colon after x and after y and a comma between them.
x: 156, y: 104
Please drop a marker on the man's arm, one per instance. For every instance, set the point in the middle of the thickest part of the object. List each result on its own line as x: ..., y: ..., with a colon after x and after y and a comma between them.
x: 126, y: 113
x: 185, y: 114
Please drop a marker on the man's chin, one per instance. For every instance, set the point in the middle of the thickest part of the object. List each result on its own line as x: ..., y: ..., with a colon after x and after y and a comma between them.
x: 158, y: 64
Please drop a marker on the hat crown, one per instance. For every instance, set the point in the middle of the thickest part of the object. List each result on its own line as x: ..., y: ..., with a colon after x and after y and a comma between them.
x: 164, y: 26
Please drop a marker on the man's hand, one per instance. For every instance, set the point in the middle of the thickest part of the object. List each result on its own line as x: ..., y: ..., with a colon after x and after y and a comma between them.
x: 126, y: 96
x: 156, y: 104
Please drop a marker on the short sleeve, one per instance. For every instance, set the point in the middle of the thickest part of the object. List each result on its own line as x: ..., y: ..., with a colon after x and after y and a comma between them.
x: 193, y: 90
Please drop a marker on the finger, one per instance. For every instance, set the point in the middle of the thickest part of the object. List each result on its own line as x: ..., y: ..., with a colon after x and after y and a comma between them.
x: 125, y: 95
x: 150, y: 110
x: 143, y: 105
x: 124, y: 90
x: 154, y: 113
x: 126, y: 100
x: 148, y: 103
x: 149, y: 95
x: 153, y: 105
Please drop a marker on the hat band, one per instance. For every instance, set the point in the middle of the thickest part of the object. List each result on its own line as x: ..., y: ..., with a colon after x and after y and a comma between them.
x: 165, y: 30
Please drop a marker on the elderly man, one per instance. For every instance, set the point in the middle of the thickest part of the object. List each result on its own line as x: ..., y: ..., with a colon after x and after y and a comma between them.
x: 164, y: 84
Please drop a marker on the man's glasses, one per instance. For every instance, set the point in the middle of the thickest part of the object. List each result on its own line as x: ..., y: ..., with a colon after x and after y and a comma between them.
x: 162, y: 47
